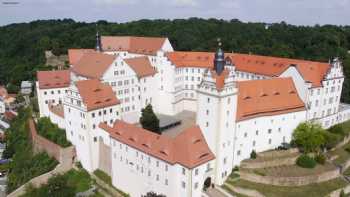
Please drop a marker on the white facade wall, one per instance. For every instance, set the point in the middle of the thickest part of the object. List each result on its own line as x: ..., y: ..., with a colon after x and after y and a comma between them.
x: 2, y: 106
x: 264, y: 133
x: 143, y: 173
x: 216, y: 117
x: 46, y: 96
x: 56, y: 119
x: 300, y: 84
x: 81, y: 127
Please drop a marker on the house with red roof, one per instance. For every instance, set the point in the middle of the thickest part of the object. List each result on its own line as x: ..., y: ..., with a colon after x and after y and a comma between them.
x: 239, y: 103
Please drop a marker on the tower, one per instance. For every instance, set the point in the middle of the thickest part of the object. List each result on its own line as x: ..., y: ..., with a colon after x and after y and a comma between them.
x: 98, y: 42
x: 219, y: 61
x: 216, y: 113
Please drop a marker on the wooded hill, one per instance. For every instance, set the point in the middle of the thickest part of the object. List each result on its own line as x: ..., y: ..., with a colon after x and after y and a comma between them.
x: 22, y: 45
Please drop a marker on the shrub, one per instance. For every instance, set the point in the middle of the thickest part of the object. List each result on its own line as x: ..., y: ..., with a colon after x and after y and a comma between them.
x: 253, y: 155
x: 338, y: 130
x: 236, y: 168
x: 306, y: 161
x: 347, y: 149
x: 321, y: 159
x: 331, y: 139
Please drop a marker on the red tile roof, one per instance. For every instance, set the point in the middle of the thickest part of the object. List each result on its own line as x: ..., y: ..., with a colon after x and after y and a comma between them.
x: 53, y: 79
x: 189, y: 148
x: 140, y: 45
x: 74, y: 55
x: 311, y: 71
x: 267, y: 97
x: 93, y: 65
x: 96, y: 95
x: 9, y: 115
x: 142, y: 66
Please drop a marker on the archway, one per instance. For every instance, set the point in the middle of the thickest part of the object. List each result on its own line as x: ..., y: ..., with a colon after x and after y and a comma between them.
x: 207, y: 183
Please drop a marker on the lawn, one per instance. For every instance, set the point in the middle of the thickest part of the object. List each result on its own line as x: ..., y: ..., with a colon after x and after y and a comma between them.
x: 107, y: 179
x: 312, y: 190
x: 342, y: 154
x: 292, y: 170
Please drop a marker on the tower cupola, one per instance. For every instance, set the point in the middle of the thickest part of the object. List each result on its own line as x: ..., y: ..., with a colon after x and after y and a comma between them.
x: 219, y: 60
x: 98, y: 42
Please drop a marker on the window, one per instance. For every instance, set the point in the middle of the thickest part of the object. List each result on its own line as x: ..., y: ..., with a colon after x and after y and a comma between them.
x: 166, y: 167
x: 279, y: 129
x: 225, y: 160
x: 254, y: 143
x: 208, y: 100
x: 157, y: 163
x: 166, y: 181
x: 257, y: 132
x: 245, y: 134
x: 183, y: 184
x: 183, y: 171
x: 157, y: 178
x: 239, y: 153
x: 269, y: 131
x: 196, y: 185
x: 207, y: 124
x: 207, y: 112
x: 196, y: 172
x: 149, y: 172
x: 270, y: 141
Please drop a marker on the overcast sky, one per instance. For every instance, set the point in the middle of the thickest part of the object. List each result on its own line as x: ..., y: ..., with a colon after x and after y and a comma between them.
x: 300, y: 12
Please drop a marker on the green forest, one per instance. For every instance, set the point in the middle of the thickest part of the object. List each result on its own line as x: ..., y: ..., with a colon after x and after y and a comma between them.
x: 22, y: 45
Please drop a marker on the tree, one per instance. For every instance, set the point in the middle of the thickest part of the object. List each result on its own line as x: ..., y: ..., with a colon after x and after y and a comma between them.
x: 153, y: 194
x: 309, y: 136
x: 149, y: 119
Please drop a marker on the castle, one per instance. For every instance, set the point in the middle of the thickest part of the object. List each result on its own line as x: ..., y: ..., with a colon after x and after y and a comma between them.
x: 214, y: 109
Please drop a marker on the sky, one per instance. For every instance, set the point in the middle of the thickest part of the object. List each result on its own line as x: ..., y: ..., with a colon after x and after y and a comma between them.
x: 297, y: 12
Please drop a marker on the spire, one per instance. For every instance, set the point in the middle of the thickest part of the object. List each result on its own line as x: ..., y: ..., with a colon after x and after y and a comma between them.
x: 219, y: 61
x: 98, y: 41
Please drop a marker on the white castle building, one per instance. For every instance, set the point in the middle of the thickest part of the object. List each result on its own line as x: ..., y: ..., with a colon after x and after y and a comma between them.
x: 214, y: 109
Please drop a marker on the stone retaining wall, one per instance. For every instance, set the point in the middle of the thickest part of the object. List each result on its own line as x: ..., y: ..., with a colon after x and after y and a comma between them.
x: 64, y: 156
x: 290, y: 181
x: 270, y: 163
x: 277, y: 153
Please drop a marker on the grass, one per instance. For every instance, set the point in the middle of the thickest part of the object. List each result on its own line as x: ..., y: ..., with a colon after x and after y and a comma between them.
x: 342, y: 154
x: 79, y: 179
x: 292, y: 170
x: 312, y: 190
x: 107, y: 179
x: 232, y: 192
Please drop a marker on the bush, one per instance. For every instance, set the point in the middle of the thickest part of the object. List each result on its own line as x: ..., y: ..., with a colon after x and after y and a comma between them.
x: 236, y: 168
x: 347, y: 149
x: 306, y: 161
x: 338, y: 130
x: 52, y: 132
x: 321, y: 159
x: 331, y: 140
x: 253, y: 155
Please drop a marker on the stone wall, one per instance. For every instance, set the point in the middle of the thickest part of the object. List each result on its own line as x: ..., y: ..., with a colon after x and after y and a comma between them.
x: 41, y: 144
x: 277, y: 153
x: 64, y: 156
x: 290, y: 181
x: 269, y: 163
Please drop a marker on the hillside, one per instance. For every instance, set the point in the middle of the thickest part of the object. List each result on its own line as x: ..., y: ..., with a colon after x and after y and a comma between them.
x: 22, y: 46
